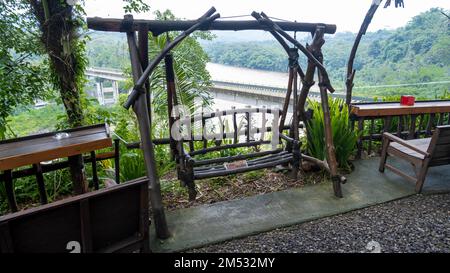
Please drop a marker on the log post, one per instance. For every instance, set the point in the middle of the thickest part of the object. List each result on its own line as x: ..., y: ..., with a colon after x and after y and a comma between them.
x: 142, y: 114
x: 296, y: 146
x: 330, y: 149
x: 171, y: 92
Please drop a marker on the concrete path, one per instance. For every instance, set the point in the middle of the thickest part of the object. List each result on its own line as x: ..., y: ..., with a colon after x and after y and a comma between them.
x: 207, y: 224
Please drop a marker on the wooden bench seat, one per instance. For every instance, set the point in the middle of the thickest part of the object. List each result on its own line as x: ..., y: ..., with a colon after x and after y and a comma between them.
x: 191, y: 165
x: 251, y: 165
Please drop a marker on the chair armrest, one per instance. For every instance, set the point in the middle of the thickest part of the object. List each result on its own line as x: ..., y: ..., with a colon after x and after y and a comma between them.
x: 405, y: 143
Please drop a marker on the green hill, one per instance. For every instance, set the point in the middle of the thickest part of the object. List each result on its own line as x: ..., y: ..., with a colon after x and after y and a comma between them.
x: 416, y: 53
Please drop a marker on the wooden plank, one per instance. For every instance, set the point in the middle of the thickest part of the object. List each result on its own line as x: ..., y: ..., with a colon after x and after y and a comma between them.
x: 56, y: 166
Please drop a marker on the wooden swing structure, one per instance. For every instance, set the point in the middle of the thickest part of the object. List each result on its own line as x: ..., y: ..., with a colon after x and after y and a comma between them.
x: 190, y: 169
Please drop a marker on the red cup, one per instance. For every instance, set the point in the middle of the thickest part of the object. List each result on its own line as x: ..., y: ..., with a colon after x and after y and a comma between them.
x: 407, y: 100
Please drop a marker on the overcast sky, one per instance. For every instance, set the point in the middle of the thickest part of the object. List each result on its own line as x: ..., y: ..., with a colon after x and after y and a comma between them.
x: 346, y: 14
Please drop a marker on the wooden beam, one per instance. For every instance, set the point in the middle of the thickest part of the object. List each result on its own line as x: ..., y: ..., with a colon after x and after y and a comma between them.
x: 158, y: 27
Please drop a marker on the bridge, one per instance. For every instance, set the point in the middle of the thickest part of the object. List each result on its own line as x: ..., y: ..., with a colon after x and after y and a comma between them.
x: 106, y: 95
x: 220, y: 89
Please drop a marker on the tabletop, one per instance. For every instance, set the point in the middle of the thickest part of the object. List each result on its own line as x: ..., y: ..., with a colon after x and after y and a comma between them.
x: 395, y: 109
x: 33, y: 149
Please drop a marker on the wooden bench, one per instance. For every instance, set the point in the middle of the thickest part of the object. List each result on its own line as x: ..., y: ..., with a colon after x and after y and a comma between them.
x: 190, y: 167
x: 421, y: 153
x: 113, y: 219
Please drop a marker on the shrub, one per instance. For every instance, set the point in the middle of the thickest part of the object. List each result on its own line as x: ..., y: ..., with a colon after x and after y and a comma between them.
x: 344, y: 138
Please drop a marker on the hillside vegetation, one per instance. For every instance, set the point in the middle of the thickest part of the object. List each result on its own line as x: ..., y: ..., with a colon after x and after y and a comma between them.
x: 416, y: 53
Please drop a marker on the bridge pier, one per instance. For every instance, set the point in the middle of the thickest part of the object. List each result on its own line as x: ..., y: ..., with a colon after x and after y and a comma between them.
x: 100, y: 96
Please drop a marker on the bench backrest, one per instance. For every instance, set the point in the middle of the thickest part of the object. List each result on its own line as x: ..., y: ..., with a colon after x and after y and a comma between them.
x: 108, y: 220
x: 440, y: 146
x: 234, y: 125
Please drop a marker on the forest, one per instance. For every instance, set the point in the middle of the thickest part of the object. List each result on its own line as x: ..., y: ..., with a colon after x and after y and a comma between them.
x: 416, y: 53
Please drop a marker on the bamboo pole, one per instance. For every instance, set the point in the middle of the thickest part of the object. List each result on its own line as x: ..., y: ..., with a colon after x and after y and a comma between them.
x: 330, y: 149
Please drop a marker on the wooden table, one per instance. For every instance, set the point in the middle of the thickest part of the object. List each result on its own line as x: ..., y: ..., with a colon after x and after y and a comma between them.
x: 395, y: 109
x: 429, y: 113
x: 31, y: 150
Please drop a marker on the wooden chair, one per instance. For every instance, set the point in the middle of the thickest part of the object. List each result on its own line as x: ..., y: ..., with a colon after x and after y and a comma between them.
x: 421, y: 153
x: 113, y: 219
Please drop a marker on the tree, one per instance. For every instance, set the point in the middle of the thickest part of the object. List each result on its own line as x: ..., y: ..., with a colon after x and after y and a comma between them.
x: 364, y: 26
x: 60, y: 24
x: 23, y: 77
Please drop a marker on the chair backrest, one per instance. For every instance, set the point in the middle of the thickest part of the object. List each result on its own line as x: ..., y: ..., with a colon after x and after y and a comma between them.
x: 440, y: 146
x: 108, y: 220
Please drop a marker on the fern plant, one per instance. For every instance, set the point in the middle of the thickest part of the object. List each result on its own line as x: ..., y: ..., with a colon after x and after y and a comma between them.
x: 343, y: 137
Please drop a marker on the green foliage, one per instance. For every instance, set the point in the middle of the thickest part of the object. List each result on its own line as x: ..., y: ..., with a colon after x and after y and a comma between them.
x: 415, y: 53
x: 135, y: 6
x: 35, y: 121
x: 23, y: 78
x: 344, y: 138
x: 256, y: 55
x: 103, y: 45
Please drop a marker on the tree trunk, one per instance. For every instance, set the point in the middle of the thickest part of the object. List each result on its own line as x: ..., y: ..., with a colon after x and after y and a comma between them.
x: 58, y: 24
x: 58, y: 35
